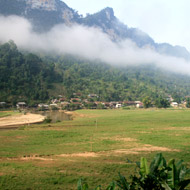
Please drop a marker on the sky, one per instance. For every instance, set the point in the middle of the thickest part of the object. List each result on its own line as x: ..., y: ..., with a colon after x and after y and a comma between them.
x: 164, y: 20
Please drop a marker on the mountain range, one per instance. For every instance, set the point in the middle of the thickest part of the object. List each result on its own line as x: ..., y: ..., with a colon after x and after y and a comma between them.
x: 45, y: 14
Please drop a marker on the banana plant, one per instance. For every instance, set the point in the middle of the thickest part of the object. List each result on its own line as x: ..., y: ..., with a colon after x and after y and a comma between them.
x: 82, y: 185
x: 158, y: 176
x: 112, y: 186
x: 176, y: 175
x: 161, y: 175
x: 122, y: 183
x: 153, y: 176
x: 98, y: 187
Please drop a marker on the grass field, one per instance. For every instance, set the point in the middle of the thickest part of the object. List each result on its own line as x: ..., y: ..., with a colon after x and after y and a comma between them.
x: 95, y: 145
x: 7, y: 113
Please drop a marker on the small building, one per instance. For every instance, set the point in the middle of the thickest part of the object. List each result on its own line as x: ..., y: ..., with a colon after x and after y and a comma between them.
x: 62, y: 99
x: 53, y: 105
x: 21, y: 105
x: 139, y: 104
x: 75, y: 100
x: 174, y: 104
x: 64, y: 104
x: 118, y: 105
x: 3, y: 104
x: 106, y: 104
x: 129, y: 103
x: 93, y: 96
x: 43, y: 106
x: 54, y: 101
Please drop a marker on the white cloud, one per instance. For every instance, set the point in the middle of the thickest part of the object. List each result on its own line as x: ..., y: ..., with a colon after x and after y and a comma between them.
x: 87, y: 42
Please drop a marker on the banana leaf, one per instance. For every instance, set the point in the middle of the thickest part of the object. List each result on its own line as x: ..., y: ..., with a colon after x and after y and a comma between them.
x: 82, y: 185
x: 144, y: 169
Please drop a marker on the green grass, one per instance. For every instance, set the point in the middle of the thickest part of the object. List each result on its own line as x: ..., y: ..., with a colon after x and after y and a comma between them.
x: 7, y: 113
x: 99, y: 131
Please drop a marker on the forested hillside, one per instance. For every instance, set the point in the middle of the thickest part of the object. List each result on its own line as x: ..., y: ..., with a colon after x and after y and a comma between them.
x: 32, y: 78
x: 113, y: 83
x: 24, y: 76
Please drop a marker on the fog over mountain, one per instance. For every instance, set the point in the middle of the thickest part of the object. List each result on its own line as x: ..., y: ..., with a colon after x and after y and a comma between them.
x: 53, y: 27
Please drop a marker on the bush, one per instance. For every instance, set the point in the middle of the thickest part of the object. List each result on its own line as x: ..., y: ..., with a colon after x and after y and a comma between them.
x: 47, y: 120
x: 160, y: 175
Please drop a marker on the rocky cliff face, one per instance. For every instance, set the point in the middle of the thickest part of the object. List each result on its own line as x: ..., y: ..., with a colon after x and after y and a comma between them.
x: 43, y: 14
x: 48, y: 5
x: 107, y: 21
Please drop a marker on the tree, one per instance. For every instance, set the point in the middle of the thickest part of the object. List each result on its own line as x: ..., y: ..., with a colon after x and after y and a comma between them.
x: 162, y: 103
x: 147, y: 102
x: 188, y: 102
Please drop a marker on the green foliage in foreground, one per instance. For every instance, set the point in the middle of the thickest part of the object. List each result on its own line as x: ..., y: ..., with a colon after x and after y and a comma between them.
x: 158, y: 176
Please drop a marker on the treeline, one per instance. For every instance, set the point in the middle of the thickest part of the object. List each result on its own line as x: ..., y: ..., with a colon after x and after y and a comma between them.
x: 24, y: 77
x: 38, y: 78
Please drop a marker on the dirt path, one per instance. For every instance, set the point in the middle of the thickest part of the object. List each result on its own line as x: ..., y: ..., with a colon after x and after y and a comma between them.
x: 16, y: 120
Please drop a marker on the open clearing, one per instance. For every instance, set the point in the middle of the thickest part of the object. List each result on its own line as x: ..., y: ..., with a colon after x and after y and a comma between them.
x: 20, y: 119
x: 95, y: 145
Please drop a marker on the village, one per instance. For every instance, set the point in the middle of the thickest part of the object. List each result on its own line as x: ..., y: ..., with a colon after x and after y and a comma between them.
x: 90, y: 102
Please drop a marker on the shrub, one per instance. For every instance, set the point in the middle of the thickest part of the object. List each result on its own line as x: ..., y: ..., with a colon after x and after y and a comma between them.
x: 160, y: 175
x: 47, y: 120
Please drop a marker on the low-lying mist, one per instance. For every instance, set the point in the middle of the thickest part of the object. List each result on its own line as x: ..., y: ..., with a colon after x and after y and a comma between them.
x: 90, y: 43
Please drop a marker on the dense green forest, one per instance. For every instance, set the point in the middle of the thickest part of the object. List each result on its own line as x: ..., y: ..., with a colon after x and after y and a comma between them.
x: 24, y: 77
x: 34, y: 78
x: 113, y: 83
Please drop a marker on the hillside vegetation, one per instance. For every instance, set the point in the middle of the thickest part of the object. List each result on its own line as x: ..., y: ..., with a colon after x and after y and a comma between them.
x: 120, y: 83
x: 28, y: 77
x: 24, y: 76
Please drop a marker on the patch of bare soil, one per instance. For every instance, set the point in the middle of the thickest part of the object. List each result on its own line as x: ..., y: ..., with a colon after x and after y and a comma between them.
x: 125, y: 139
x: 85, y: 154
x: 124, y: 151
x: 145, y: 148
x: 36, y: 158
x: 137, y: 150
x: 27, y: 158
x: 145, y: 132
x: 150, y: 148
x: 16, y: 120
x: 75, y: 114
x: 118, y: 138
x: 178, y: 128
